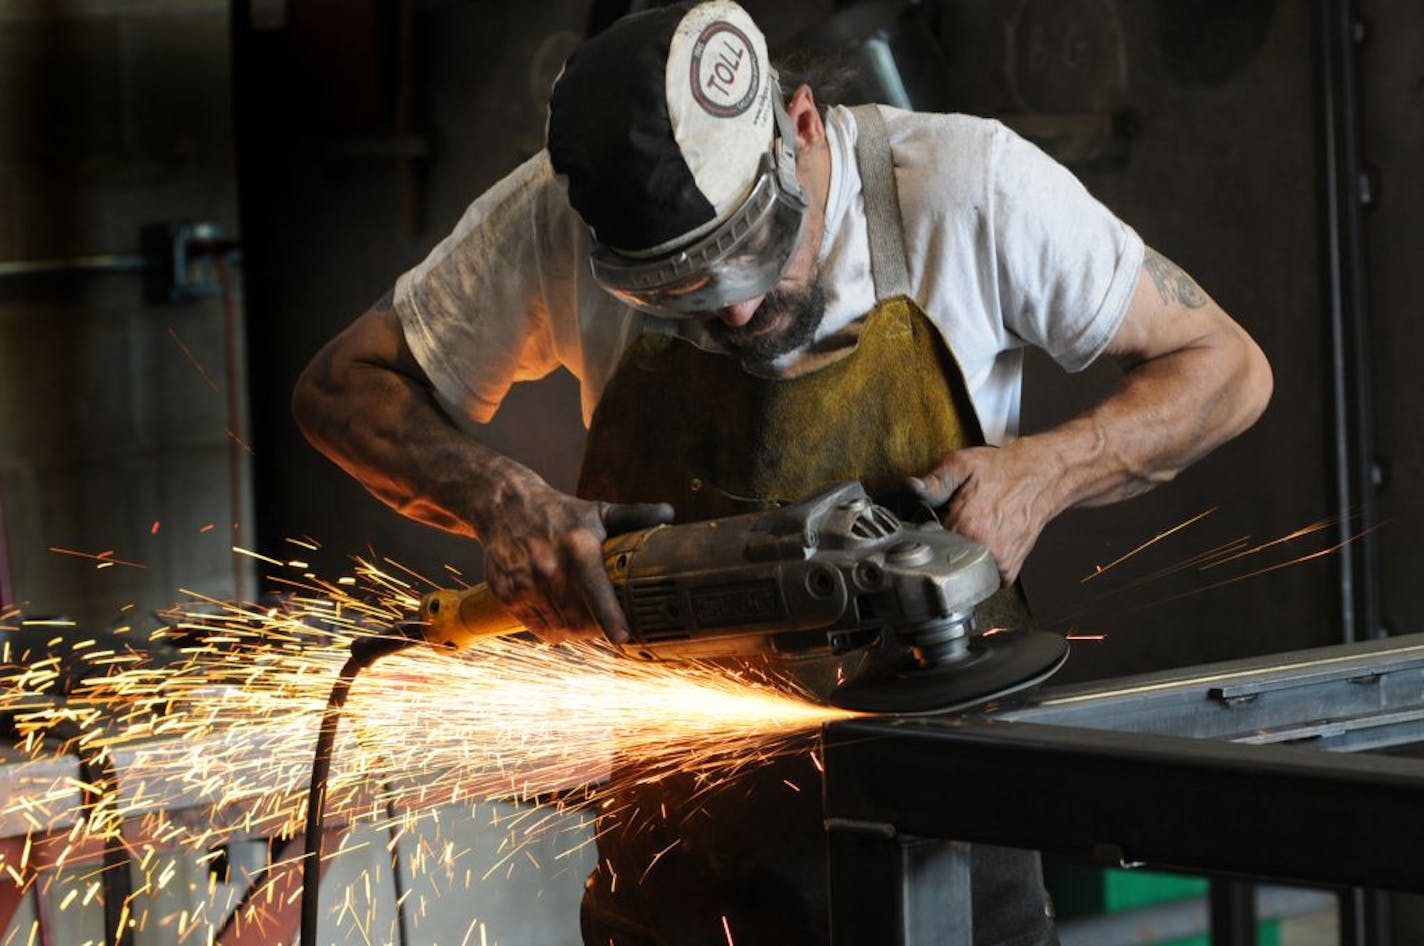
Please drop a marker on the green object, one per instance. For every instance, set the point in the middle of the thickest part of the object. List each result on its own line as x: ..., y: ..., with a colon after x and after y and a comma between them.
x: 1132, y: 889
x: 1079, y: 892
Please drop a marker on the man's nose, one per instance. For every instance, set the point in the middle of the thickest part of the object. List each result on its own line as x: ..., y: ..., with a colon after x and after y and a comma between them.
x: 740, y: 313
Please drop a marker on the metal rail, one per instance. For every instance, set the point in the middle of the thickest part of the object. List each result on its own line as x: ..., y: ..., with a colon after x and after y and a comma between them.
x: 1204, y: 770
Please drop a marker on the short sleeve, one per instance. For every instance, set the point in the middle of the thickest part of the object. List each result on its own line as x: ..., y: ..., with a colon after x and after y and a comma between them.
x: 496, y: 301
x: 1067, y: 265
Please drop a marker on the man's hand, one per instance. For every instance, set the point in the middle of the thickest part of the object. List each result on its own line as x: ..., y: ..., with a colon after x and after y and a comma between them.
x: 998, y: 497
x: 1194, y: 380
x: 544, y: 557
x: 365, y: 402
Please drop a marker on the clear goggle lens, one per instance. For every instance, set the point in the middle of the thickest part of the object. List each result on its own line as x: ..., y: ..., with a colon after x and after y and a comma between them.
x: 740, y: 260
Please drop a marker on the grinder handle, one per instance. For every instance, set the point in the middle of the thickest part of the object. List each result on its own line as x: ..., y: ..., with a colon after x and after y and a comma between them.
x: 456, y: 619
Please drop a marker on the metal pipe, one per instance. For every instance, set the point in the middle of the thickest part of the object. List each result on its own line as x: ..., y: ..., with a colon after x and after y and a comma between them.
x: 1363, y: 914
x: 1347, y: 292
x: 1233, y: 912
x: 101, y: 264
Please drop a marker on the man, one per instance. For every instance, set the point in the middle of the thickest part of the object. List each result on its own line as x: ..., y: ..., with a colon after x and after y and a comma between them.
x: 759, y: 299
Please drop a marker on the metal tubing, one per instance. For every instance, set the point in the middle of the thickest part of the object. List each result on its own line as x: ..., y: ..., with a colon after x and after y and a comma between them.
x: 1364, y: 918
x: 1233, y: 912
x: 1352, y: 404
x: 1363, y: 915
x: 893, y: 888
x: 1129, y: 798
x: 103, y: 264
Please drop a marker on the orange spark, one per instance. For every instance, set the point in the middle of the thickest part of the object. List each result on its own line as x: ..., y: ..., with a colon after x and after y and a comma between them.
x: 105, y: 556
x: 1102, y: 569
x: 207, y: 379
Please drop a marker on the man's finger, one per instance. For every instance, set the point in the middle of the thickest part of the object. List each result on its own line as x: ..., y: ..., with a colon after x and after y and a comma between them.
x: 626, y: 517
x: 601, y: 600
x: 938, y: 486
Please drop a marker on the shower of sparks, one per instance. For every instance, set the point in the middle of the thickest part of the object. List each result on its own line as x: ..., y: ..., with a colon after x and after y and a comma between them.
x: 211, y: 720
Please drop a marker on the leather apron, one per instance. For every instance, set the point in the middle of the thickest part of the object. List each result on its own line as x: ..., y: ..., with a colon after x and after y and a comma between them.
x: 680, y: 425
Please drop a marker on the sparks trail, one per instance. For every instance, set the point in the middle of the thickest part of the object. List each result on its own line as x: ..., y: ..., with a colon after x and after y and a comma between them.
x: 105, y: 558
x: 210, y: 722
x: 1099, y: 570
x: 188, y: 353
x: 1233, y: 551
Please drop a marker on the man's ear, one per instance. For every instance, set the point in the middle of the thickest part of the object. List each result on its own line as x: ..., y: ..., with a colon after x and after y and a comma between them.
x: 806, y: 118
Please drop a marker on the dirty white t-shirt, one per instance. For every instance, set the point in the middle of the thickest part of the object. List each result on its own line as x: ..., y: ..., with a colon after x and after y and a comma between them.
x: 1006, y: 248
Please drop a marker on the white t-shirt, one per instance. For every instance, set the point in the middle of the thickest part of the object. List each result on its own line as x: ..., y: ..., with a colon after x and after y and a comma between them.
x: 1005, y: 248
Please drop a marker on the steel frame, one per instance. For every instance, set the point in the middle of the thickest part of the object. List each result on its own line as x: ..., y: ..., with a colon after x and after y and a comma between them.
x: 1212, y: 769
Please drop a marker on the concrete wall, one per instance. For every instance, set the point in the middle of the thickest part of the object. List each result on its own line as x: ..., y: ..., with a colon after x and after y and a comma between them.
x: 112, y: 114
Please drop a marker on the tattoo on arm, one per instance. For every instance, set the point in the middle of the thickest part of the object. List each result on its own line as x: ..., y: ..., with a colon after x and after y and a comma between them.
x: 1173, y: 285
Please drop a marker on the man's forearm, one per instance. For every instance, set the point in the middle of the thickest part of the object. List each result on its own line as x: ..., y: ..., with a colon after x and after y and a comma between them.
x: 1173, y: 408
x: 1147, y: 432
x: 364, y: 404
x: 1197, y: 381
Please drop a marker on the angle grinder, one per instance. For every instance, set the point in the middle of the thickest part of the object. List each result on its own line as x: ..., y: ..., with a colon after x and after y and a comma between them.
x: 832, y: 577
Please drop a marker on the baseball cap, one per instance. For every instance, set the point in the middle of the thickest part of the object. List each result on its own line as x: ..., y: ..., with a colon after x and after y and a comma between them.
x: 659, y: 124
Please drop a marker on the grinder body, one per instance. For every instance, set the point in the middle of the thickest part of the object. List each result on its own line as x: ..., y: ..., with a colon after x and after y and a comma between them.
x: 830, y: 576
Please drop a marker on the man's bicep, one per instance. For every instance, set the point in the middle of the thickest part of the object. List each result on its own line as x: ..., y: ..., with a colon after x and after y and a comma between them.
x: 378, y: 338
x: 1167, y: 312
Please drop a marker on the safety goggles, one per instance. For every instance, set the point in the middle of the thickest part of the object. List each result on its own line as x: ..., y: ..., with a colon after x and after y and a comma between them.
x: 741, y: 259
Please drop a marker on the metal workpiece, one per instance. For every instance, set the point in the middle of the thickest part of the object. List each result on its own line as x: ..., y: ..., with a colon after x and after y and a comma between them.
x: 922, y: 893
x: 1125, y: 799
x: 1350, y: 697
x: 1209, y: 769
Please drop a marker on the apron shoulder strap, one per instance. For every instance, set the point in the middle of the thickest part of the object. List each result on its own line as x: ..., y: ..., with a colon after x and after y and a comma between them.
x: 888, y: 267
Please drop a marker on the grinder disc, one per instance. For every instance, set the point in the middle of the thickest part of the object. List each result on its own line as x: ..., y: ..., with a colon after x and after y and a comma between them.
x: 994, y: 665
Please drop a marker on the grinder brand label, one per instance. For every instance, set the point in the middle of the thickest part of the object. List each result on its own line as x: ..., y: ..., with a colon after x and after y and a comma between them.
x: 751, y: 602
x: 725, y: 75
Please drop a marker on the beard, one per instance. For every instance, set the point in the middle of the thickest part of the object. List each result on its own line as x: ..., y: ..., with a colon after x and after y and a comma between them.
x: 786, y: 320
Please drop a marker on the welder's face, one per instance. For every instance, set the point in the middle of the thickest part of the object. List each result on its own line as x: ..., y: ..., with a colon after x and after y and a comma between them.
x: 784, y: 320
x: 762, y: 329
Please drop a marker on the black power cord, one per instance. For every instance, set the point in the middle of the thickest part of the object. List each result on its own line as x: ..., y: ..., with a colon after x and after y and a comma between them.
x: 364, y: 652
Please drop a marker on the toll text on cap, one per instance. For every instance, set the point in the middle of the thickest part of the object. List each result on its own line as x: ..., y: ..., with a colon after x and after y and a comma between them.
x: 725, y: 75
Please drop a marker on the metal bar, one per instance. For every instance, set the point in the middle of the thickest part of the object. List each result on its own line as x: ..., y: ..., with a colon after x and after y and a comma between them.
x: 1364, y: 918
x: 914, y: 890
x: 1233, y: 912
x: 101, y: 264
x: 1347, y: 292
x: 1129, y: 798
x: 1348, y: 697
